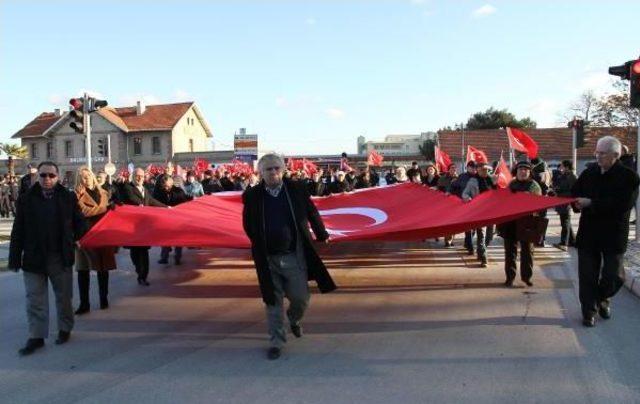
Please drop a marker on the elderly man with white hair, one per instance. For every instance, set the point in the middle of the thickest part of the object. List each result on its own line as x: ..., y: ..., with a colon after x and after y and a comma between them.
x: 276, y: 217
x: 606, y: 193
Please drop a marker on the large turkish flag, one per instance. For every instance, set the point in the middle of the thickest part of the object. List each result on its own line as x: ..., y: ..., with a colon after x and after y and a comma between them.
x: 398, y: 212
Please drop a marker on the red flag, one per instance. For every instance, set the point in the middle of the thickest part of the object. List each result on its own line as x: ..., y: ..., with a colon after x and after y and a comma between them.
x: 476, y: 155
x: 519, y: 140
x: 443, y: 161
x: 309, y: 167
x: 503, y: 174
x: 374, y: 159
x: 381, y: 213
x: 344, y: 165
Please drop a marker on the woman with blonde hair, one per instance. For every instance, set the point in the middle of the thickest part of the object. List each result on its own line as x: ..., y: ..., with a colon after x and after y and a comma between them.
x: 93, y: 201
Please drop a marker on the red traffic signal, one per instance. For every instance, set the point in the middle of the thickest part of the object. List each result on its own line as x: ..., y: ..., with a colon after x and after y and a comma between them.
x: 634, y: 87
x: 635, y: 69
x: 77, y: 115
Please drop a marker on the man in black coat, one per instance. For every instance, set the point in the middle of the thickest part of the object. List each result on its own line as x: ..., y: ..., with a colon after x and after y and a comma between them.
x: 606, y: 194
x: 276, y: 218
x: 170, y: 195
x: 211, y: 184
x: 456, y: 188
x: 29, y: 179
x: 47, y: 226
x: 135, y: 193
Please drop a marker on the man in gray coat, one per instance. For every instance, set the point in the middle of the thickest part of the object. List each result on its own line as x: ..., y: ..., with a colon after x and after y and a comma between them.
x: 43, y: 239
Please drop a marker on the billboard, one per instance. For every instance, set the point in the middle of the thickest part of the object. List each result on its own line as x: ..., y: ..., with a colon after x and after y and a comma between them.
x: 244, y: 144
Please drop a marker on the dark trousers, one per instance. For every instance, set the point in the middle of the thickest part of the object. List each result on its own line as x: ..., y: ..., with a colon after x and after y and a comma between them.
x: 164, y: 253
x: 567, y: 237
x: 468, y: 240
x: 84, y: 279
x: 600, y: 275
x: 526, y: 259
x: 491, y: 229
x: 140, y: 259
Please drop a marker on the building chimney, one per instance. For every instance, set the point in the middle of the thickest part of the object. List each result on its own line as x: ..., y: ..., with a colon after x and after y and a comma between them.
x: 57, y: 112
x: 140, y: 108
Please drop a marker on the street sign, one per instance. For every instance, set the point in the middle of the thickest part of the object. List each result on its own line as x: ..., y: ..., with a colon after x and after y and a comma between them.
x: 110, y: 168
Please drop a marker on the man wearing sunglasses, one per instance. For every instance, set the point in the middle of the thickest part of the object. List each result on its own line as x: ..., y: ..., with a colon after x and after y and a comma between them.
x: 276, y: 217
x: 43, y: 239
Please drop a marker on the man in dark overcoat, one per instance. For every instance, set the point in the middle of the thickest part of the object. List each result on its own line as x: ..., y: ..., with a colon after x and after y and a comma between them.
x: 606, y: 193
x: 43, y: 239
x: 276, y: 218
x: 135, y: 193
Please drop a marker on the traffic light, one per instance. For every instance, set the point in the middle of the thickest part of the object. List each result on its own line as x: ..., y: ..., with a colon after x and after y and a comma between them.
x: 77, y: 114
x: 578, y: 125
x: 634, y: 93
x: 102, y: 147
x: 630, y: 71
x: 97, y: 104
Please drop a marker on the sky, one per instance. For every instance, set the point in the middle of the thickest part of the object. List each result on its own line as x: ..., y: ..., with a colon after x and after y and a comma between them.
x: 309, y: 77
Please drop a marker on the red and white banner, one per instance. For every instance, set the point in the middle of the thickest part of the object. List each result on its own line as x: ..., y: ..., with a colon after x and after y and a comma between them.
x: 519, y: 140
x: 374, y: 159
x: 388, y: 213
x: 476, y: 155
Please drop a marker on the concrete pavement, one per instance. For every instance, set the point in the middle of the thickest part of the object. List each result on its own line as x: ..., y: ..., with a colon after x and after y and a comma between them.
x: 412, y: 322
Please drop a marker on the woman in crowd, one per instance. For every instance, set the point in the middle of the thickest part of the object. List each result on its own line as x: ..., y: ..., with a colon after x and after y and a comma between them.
x: 192, y: 187
x: 431, y: 176
x: 401, y: 175
x: 93, y: 201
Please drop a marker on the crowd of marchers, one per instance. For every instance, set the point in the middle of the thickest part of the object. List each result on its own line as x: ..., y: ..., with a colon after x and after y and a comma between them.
x: 50, y: 218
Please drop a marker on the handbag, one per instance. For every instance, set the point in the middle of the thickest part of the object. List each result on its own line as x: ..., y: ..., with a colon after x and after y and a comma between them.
x: 531, y: 228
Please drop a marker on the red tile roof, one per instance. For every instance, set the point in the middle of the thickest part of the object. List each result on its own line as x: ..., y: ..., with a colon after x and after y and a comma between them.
x: 37, y: 127
x: 553, y: 143
x: 155, y: 117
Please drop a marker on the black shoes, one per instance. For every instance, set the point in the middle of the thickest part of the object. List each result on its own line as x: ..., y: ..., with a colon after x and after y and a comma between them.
x: 296, y: 330
x: 589, y: 321
x: 82, y: 309
x: 63, y: 337
x: 605, y: 312
x: 163, y: 261
x: 508, y: 283
x: 143, y: 282
x: 273, y: 353
x: 104, y: 303
x: 528, y: 283
x: 32, y: 345
x: 470, y: 252
x: 177, y: 261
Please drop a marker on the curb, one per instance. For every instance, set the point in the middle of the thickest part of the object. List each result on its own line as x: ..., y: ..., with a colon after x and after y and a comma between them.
x: 632, y: 268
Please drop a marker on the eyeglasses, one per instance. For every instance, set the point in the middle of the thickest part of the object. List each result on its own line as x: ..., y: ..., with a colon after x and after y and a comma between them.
x: 273, y: 168
x: 50, y: 175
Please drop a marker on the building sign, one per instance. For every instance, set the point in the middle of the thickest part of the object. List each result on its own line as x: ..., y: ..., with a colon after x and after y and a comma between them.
x: 80, y: 160
x: 244, y: 144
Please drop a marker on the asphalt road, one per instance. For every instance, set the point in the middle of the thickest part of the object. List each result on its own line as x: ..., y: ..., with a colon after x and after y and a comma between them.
x: 412, y: 322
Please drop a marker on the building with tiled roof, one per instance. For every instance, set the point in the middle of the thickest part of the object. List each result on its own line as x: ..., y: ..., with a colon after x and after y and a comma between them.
x: 141, y: 135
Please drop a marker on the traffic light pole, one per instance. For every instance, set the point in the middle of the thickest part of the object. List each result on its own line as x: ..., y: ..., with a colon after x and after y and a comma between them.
x: 574, y: 148
x: 638, y: 171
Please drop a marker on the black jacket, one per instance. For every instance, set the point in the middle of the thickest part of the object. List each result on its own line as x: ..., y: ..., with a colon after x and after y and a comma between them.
x: 460, y: 183
x: 337, y: 187
x: 317, y: 188
x: 28, y: 249
x: 305, y: 213
x: 211, y: 185
x: 25, y: 184
x: 131, y: 196
x: 604, y: 225
x: 174, y: 197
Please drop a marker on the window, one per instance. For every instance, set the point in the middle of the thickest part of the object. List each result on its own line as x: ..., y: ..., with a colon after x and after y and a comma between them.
x: 191, y: 145
x: 137, y: 146
x: 34, y: 150
x: 49, y: 150
x: 155, y: 145
x: 68, y: 148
